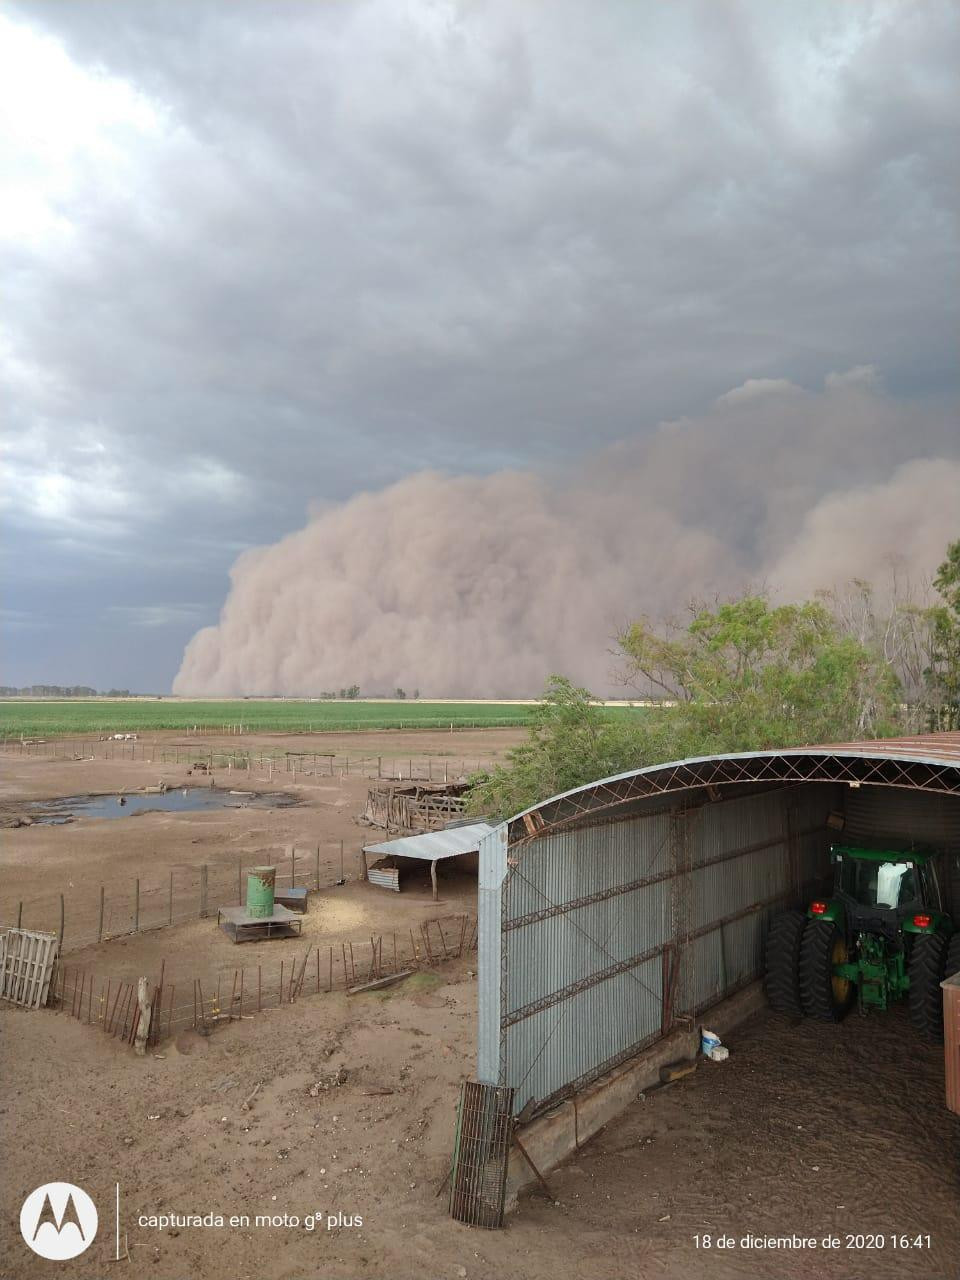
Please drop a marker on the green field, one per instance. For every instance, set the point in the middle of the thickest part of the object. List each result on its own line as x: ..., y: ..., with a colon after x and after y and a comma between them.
x: 82, y: 716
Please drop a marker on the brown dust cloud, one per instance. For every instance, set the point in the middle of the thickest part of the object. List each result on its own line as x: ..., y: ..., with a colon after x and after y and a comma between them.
x: 482, y: 585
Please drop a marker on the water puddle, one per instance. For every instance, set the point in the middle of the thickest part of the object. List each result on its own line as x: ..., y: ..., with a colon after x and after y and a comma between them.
x: 175, y: 800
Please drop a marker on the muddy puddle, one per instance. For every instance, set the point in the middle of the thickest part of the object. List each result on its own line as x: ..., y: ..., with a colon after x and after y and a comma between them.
x: 175, y: 800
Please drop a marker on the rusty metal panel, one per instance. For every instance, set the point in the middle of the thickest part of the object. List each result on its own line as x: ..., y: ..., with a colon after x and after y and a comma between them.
x: 480, y: 1154
x: 951, y: 1040
x: 926, y: 762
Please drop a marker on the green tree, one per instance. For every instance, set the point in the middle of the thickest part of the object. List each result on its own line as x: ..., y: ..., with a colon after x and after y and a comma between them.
x: 944, y: 674
x: 570, y: 740
x: 748, y: 676
x: 743, y: 676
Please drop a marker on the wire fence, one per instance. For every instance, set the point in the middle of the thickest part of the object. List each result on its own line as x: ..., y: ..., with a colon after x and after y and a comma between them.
x: 92, y: 913
x: 280, y: 763
x: 180, y: 1003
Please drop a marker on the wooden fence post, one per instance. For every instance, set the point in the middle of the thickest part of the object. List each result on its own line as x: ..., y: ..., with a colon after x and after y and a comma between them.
x: 100, y: 922
x: 293, y: 866
x: 136, y: 907
x: 203, y: 891
x: 19, y: 914
x: 240, y: 881
x: 170, y: 901
x: 318, y: 868
x: 143, y: 1023
x: 60, y: 934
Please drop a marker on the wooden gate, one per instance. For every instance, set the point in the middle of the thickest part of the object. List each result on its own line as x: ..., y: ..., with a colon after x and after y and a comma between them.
x: 26, y: 966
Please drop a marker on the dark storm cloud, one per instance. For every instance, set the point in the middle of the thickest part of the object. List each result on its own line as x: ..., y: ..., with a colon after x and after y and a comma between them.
x: 278, y: 253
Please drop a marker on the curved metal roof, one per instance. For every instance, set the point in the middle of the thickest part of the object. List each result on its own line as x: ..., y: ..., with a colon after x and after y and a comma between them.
x: 924, y: 762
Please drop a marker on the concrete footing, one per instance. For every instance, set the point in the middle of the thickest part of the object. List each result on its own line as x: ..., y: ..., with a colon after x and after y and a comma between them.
x: 552, y: 1138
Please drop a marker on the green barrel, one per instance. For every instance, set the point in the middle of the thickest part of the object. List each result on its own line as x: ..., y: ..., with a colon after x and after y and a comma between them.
x: 261, y: 883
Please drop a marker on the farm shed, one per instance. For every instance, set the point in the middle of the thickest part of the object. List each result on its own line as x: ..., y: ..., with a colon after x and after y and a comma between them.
x: 432, y: 847
x: 616, y: 915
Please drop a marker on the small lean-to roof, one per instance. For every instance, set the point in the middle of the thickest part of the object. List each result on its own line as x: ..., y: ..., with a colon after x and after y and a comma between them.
x: 433, y: 845
x: 924, y: 762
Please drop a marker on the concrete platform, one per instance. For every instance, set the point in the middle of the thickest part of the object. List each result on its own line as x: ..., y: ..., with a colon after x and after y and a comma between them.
x: 236, y: 924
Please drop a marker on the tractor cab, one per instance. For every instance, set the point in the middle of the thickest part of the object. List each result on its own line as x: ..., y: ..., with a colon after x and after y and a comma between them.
x: 882, y: 936
x: 885, y: 891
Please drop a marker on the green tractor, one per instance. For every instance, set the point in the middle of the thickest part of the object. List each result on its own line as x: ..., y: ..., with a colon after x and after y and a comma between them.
x: 882, y: 936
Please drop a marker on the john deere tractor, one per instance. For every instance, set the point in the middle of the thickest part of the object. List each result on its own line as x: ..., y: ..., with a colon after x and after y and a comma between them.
x: 880, y: 937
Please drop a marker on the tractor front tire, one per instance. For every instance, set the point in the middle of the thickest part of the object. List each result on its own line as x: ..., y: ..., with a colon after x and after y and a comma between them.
x: 822, y: 993
x: 925, y: 970
x: 953, y: 955
x: 782, y: 962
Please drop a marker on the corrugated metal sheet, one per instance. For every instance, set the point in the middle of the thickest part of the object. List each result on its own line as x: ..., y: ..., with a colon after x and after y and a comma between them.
x: 580, y: 925
x: 567, y: 1041
x: 385, y: 877
x: 587, y: 913
x: 940, y: 748
x: 433, y: 845
x: 492, y: 869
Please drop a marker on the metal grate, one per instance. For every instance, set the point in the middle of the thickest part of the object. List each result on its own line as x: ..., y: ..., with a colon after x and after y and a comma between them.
x: 481, y: 1149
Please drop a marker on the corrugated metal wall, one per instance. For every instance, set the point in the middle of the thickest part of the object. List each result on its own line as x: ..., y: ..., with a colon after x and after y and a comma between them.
x: 598, y: 922
x: 784, y: 836
x: 593, y: 940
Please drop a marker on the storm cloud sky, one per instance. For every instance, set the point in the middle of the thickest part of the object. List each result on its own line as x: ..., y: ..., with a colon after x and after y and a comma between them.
x: 260, y: 258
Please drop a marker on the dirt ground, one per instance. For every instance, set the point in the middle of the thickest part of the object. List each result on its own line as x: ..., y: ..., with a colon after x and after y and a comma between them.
x: 808, y: 1130
x: 39, y: 862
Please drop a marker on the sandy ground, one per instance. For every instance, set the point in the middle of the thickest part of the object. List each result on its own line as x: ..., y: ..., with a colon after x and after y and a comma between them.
x: 808, y: 1129
x: 39, y: 862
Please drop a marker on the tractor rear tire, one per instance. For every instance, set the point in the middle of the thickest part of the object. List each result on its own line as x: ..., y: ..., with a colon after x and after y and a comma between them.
x: 821, y: 993
x: 925, y: 970
x: 782, y: 962
x: 953, y: 955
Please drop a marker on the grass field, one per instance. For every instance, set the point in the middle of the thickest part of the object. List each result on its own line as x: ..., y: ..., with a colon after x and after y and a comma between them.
x: 81, y: 716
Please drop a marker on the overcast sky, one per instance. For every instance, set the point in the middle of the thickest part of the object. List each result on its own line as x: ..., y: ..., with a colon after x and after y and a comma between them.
x: 258, y: 257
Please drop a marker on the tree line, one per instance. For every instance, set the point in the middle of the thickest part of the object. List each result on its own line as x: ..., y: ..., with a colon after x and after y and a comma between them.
x: 744, y: 674
x: 60, y: 691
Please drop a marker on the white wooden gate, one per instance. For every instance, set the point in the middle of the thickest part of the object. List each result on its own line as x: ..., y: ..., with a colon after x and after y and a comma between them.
x: 26, y: 966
